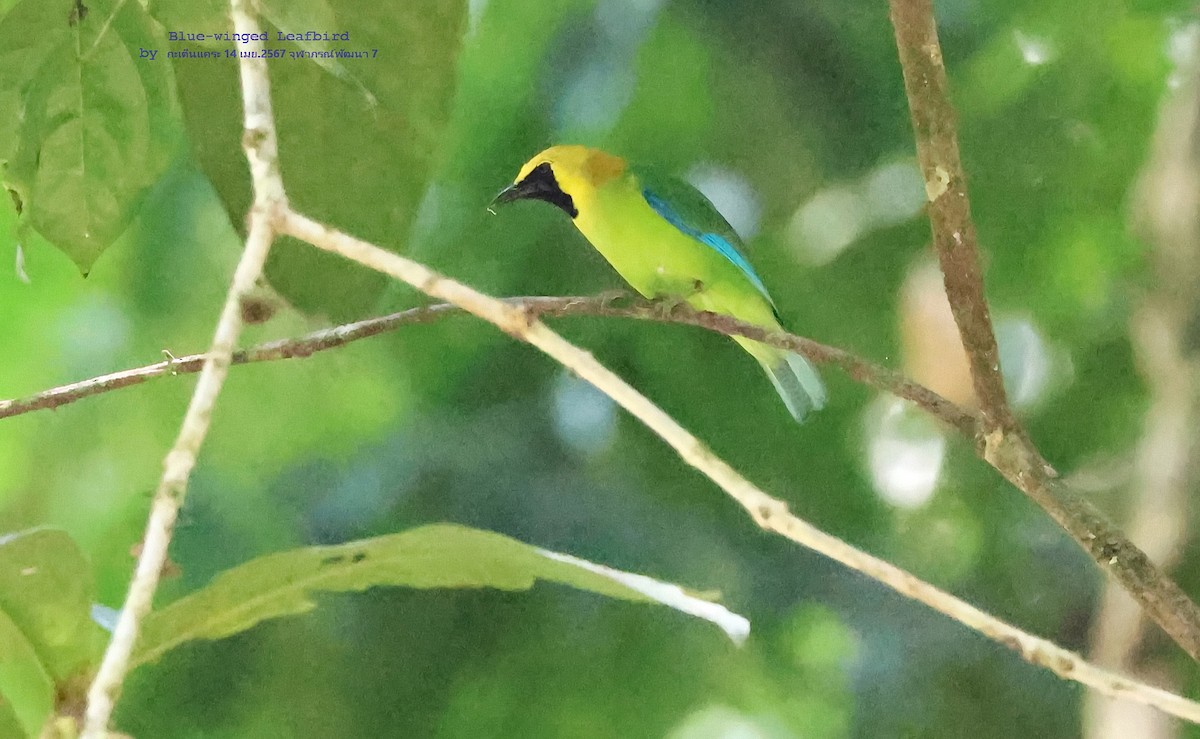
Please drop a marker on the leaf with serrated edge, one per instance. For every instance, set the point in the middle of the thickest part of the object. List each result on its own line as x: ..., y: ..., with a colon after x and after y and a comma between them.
x: 434, y: 556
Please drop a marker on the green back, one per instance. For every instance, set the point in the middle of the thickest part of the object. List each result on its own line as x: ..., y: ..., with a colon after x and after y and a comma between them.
x: 687, y: 209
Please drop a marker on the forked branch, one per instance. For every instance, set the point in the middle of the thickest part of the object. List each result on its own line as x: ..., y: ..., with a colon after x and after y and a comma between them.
x: 1004, y: 443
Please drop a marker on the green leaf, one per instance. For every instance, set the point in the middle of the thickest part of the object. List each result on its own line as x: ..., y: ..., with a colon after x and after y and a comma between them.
x: 46, y: 592
x: 10, y: 725
x: 22, y: 51
x: 358, y: 137
x: 98, y: 121
x: 211, y: 17
x: 434, y: 556
x: 300, y: 16
x: 24, y: 682
x: 192, y: 16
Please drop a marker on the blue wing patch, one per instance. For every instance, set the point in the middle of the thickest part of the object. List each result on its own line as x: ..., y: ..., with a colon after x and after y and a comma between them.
x: 716, y: 241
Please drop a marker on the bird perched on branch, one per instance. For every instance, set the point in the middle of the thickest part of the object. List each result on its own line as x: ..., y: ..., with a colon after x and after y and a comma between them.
x: 667, y: 241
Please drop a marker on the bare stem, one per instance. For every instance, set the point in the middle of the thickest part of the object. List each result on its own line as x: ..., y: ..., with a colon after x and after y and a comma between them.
x: 856, y: 367
x: 269, y: 200
x: 954, y: 239
x: 771, y: 514
x: 1004, y: 442
x: 1001, y: 440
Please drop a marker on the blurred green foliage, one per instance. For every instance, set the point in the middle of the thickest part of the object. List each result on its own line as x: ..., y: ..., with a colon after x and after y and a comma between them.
x: 778, y: 103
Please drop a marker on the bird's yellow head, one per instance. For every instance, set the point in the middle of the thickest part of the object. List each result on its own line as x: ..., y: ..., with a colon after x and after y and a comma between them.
x: 564, y: 176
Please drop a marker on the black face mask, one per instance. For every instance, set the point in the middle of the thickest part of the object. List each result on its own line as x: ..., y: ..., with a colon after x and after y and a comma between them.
x: 538, y: 185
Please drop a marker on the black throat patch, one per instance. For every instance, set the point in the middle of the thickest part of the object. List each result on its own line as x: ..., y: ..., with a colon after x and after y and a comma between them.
x: 541, y: 185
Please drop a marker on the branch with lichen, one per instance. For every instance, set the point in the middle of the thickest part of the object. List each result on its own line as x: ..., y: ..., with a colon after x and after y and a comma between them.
x: 1032, y: 649
x: 1005, y: 444
x: 771, y: 514
x: 1000, y: 440
x: 857, y: 368
x: 259, y: 143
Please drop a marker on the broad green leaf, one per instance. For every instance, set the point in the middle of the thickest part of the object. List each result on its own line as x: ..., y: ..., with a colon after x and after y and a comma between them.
x: 211, y: 17
x: 357, y: 140
x: 194, y: 17
x: 23, y: 49
x: 296, y: 17
x: 98, y: 120
x: 10, y: 725
x: 434, y: 556
x: 25, y: 684
x: 46, y: 592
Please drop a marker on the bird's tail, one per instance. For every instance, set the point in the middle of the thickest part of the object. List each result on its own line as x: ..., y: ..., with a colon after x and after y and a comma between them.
x: 793, y: 377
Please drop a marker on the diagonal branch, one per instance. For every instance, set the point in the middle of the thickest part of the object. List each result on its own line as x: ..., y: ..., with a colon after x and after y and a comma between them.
x: 769, y: 513
x: 1102, y: 541
x: 1004, y: 442
x: 269, y: 200
x: 1031, y: 648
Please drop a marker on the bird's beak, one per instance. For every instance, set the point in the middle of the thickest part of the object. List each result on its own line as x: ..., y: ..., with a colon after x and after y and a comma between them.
x: 507, y: 195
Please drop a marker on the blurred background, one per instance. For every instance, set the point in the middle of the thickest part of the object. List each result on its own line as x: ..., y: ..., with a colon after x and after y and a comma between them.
x: 1077, y: 124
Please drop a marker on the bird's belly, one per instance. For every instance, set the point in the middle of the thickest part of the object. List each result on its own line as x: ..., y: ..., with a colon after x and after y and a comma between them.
x: 651, y: 255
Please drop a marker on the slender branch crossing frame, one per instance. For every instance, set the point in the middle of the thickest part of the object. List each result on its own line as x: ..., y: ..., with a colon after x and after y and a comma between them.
x: 999, y: 438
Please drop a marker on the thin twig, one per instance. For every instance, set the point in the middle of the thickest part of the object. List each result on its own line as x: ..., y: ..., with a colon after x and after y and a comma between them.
x: 1030, y: 647
x: 1004, y: 442
x: 954, y: 239
x: 856, y: 367
x: 269, y: 200
x: 769, y: 513
x: 1009, y: 452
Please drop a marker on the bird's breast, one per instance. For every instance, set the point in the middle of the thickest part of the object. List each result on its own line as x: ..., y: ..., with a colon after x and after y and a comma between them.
x: 653, y: 256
